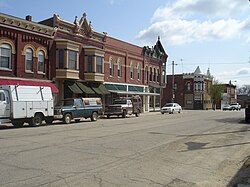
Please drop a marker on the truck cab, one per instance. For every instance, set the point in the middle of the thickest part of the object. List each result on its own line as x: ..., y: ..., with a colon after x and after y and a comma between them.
x: 4, y: 106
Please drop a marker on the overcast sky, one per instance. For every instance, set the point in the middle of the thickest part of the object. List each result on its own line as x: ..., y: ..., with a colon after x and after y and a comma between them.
x: 211, y: 34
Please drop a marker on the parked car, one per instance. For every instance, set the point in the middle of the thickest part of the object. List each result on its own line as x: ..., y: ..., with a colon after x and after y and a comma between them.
x: 78, y: 108
x: 227, y: 107
x: 124, y: 106
x: 171, y: 108
x: 235, y: 106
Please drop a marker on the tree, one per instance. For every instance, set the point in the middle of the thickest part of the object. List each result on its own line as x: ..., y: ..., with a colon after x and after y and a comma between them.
x: 216, y: 90
x: 243, y: 90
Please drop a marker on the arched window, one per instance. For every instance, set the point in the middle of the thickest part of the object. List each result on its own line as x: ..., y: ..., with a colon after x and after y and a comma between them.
x: 150, y: 74
x: 139, y: 72
x: 131, y: 71
x: 5, y: 56
x: 111, y: 67
x: 146, y: 74
x: 119, y: 69
x: 40, y: 65
x: 154, y: 74
x: 29, y: 60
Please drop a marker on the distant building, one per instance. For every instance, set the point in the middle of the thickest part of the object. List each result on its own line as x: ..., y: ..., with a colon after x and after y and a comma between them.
x: 190, y: 90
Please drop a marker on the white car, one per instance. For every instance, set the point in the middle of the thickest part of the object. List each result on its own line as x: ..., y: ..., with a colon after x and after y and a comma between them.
x: 171, y: 108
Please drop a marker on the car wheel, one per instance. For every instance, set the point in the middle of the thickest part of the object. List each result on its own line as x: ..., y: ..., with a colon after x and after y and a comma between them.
x: 67, y: 118
x: 17, y: 123
x: 94, y: 116
x: 124, y: 113
x: 36, y: 120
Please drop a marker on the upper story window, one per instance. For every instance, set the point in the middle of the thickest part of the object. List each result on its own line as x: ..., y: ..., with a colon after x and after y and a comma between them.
x: 29, y: 60
x: 150, y: 74
x: 111, y: 67
x: 154, y: 74
x: 146, y: 74
x: 5, y: 56
x: 61, y: 58
x: 72, y: 60
x: 90, y: 63
x: 139, y: 71
x: 99, y: 64
x: 131, y: 71
x: 40, y: 65
x: 119, y: 69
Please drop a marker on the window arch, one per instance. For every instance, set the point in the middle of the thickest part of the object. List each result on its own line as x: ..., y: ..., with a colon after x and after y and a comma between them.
x: 41, y: 62
x: 131, y: 71
x: 139, y: 72
x: 29, y: 59
x: 5, y: 56
x: 111, y: 66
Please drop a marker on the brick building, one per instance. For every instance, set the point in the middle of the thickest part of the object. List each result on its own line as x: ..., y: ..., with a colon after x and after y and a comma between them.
x: 190, y: 90
x: 80, y: 61
x: 24, y: 52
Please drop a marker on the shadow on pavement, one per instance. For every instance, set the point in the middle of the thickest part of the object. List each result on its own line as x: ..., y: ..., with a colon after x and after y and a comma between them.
x: 242, y: 177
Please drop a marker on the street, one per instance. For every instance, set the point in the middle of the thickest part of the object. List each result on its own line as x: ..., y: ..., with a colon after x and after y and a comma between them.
x: 194, y: 148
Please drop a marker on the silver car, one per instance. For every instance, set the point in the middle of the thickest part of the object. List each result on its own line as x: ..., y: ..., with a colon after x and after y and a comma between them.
x: 171, y: 108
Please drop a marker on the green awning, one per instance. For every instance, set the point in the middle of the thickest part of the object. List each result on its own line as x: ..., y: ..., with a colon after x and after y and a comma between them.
x: 103, y: 89
x: 75, y: 89
x: 97, y: 90
x: 116, y: 87
x: 85, y: 88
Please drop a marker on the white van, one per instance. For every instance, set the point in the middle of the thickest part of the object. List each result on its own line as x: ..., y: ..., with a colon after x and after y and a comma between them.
x: 30, y: 104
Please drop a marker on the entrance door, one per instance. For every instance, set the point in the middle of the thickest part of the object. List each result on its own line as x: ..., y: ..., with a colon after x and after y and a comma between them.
x: 4, y: 105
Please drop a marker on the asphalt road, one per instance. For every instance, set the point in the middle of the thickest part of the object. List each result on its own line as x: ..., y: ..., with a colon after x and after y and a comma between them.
x: 194, y: 148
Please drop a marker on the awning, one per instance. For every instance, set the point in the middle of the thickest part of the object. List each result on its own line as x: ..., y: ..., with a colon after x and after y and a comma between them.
x: 134, y: 93
x: 85, y: 88
x: 75, y: 89
x: 100, y: 89
x: 54, y: 89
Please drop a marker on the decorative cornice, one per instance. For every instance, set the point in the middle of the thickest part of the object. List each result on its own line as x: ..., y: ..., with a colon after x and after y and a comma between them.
x: 26, y: 26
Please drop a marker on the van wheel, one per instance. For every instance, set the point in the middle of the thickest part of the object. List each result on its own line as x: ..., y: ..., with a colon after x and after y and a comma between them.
x: 94, y: 116
x: 124, y: 113
x: 49, y: 120
x: 67, y: 118
x: 36, y: 120
x: 17, y: 123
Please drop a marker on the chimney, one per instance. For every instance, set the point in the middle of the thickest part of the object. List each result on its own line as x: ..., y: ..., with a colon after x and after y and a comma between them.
x: 29, y: 18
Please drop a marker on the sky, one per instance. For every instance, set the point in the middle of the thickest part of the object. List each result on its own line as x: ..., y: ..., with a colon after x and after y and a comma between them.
x: 212, y: 34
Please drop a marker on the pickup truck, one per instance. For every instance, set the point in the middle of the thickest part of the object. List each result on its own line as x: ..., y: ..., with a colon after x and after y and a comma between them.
x: 78, y: 108
x: 124, y: 106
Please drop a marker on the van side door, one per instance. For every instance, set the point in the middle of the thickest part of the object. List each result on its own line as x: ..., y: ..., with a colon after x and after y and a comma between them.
x: 4, y: 104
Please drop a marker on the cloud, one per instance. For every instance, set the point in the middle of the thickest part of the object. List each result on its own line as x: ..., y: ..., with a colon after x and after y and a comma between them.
x: 188, y: 21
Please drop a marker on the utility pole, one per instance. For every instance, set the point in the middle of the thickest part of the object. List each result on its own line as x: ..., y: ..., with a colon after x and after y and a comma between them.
x: 173, y: 88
